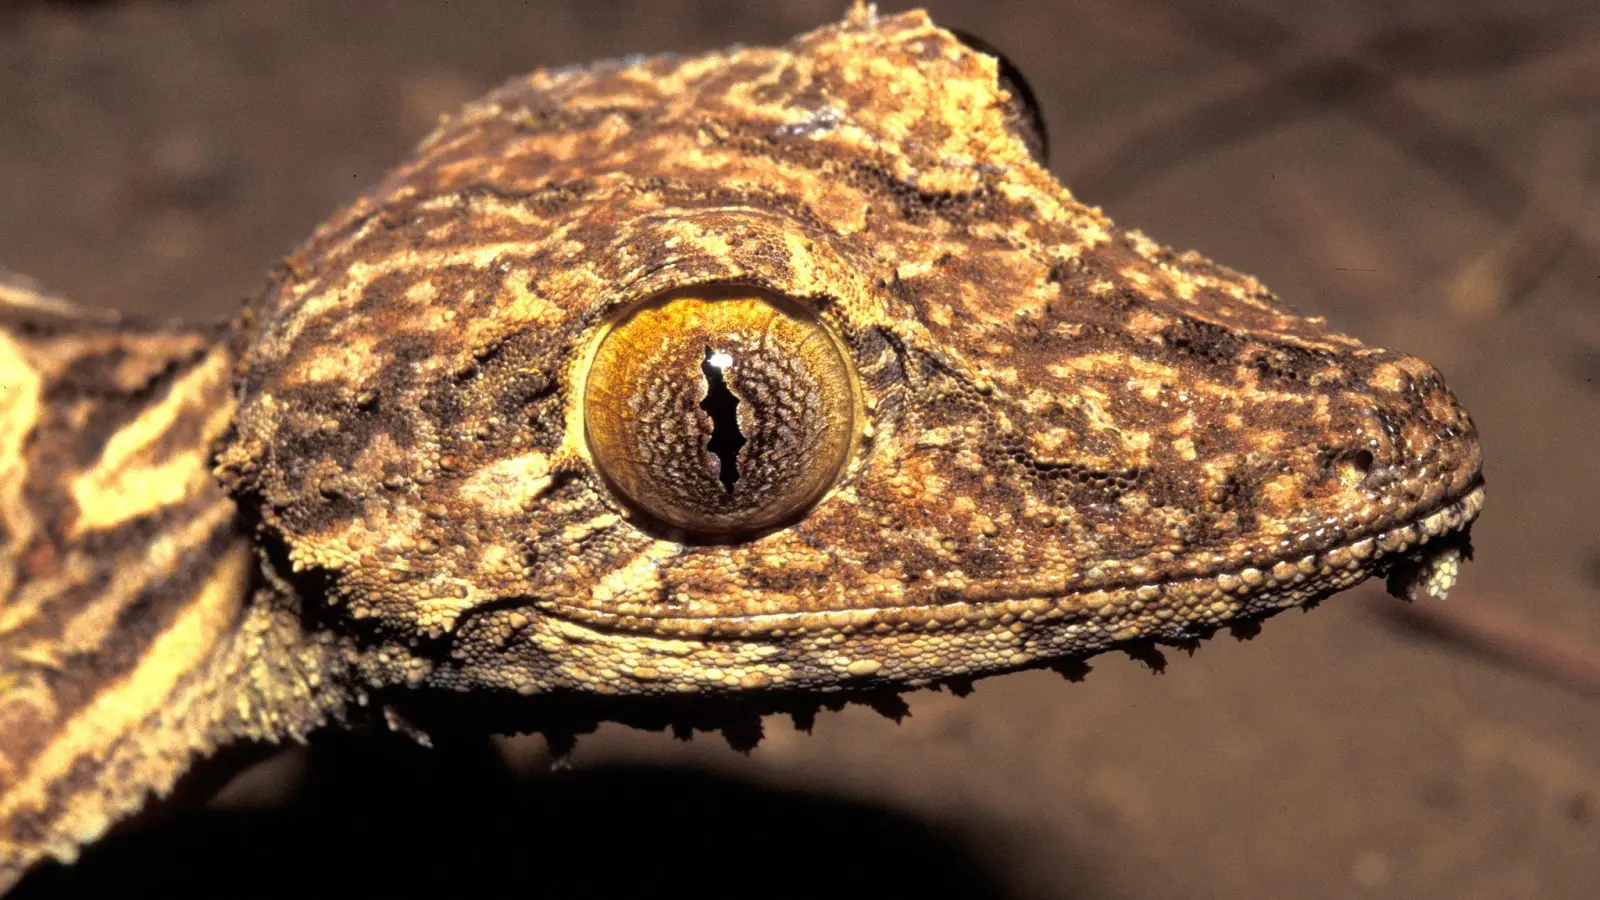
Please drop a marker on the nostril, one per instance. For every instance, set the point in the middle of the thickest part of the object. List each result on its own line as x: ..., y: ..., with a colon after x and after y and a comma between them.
x: 1354, y: 467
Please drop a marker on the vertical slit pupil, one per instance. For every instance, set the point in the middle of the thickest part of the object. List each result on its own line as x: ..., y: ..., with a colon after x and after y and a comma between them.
x: 721, y: 405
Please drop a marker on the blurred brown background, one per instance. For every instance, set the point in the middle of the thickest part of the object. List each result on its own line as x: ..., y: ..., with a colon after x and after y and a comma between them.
x: 1420, y: 172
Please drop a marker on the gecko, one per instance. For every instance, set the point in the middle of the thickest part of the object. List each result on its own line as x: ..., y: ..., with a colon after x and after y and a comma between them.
x: 677, y: 391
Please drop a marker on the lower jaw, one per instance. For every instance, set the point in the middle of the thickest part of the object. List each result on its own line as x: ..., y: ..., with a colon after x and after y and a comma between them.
x: 845, y: 650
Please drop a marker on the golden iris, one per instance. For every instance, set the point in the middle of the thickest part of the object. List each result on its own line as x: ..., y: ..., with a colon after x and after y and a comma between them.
x: 720, y: 411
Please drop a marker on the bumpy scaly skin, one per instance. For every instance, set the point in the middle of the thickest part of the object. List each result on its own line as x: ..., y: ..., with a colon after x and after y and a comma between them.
x: 127, y: 644
x: 1077, y: 436
x: 1074, y: 438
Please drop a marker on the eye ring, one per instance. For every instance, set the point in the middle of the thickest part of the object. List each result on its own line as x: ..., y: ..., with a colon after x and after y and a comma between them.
x: 720, y: 412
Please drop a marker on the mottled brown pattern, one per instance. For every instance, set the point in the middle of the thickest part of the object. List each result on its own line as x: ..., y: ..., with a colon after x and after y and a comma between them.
x: 1071, y: 428
x: 124, y: 626
x: 72, y: 576
x: 1070, y: 438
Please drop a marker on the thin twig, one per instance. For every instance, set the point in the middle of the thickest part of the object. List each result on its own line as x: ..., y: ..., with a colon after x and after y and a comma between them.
x: 1502, y: 637
x: 1513, y: 262
x: 1293, y: 73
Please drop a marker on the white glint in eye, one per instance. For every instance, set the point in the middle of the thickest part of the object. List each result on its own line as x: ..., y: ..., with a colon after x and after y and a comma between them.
x: 720, y: 359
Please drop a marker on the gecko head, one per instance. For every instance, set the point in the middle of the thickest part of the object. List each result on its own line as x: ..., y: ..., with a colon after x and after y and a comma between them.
x: 793, y: 370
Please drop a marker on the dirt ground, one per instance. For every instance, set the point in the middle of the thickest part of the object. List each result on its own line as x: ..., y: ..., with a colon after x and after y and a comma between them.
x: 1422, y: 172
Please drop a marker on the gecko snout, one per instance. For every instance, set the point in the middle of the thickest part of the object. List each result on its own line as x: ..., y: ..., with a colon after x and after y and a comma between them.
x: 1412, y: 438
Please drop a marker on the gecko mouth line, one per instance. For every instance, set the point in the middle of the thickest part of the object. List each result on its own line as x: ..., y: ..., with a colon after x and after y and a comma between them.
x: 1278, y: 584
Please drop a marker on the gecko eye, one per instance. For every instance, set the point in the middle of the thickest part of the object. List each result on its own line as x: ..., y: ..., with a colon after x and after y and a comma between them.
x: 720, y: 411
x: 1024, y: 117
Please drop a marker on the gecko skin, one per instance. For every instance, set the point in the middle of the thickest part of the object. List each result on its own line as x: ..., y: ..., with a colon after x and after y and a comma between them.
x: 677, y: 391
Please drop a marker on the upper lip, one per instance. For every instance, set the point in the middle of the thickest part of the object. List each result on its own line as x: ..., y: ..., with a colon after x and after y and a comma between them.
x: 1452, y: 514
